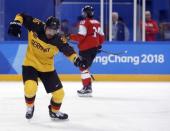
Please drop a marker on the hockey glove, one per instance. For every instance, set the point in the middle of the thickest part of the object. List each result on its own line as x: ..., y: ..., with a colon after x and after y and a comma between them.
x: 99, y: 49
x: 80, y: 63
x: 15, y: 29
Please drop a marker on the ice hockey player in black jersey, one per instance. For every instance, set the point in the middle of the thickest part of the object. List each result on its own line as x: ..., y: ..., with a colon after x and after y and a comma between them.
x: 44, y: 42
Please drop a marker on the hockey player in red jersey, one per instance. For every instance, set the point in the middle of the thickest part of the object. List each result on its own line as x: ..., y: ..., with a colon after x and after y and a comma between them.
x: 90, y: 37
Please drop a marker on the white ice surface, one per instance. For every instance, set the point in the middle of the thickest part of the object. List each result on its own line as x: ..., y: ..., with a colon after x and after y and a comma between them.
x: 116, y: 106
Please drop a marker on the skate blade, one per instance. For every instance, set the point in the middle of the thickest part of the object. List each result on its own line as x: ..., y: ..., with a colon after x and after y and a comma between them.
x: 29, y: 120
x: 58, y: 120
x: 85, y: 95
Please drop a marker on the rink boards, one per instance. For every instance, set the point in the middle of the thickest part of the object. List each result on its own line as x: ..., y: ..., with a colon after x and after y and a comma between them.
x: 142, y: 62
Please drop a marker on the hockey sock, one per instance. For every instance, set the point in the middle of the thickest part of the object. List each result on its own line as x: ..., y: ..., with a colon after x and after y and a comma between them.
x: 29, y: 101
x: 56, y: 100
x: 30, y: 90
x: 86, y: 77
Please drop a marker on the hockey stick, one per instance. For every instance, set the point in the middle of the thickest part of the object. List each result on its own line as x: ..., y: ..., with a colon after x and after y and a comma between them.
x: 112, y: 53
x: 108, y: 52
x: 92, y: 77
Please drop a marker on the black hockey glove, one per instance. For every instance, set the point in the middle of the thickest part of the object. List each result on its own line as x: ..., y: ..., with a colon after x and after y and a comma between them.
x: 15, y: 29
x: 80, y: 63
x: 99, y: 49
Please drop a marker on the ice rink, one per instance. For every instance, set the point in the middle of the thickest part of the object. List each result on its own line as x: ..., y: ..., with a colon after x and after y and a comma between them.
x: 115, y: 106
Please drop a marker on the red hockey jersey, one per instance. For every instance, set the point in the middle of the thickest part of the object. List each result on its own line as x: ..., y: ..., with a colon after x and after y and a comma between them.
x: 90, y: 34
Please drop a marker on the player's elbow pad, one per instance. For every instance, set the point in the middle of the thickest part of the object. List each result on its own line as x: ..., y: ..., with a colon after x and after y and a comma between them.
x: 66, y: 49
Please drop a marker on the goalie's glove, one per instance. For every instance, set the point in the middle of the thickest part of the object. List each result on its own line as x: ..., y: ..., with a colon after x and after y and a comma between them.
x: 15, y: 29
x: 80, y: 63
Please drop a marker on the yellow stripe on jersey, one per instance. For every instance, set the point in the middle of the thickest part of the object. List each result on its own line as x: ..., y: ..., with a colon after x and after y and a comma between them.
x: 19, y: 18
x: 72, y: 57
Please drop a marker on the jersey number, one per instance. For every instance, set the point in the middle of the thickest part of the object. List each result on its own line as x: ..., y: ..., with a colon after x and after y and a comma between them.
x: 96, y: 31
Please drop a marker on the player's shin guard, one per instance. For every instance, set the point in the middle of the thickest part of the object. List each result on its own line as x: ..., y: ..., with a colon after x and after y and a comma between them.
x: 30, y: 92
x: 55, y: 104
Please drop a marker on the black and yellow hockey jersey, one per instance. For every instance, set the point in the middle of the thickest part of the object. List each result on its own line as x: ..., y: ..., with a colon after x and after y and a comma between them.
x: 41, y: 51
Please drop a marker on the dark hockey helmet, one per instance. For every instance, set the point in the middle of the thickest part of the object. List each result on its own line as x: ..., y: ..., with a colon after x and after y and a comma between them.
x: 88, y: 11
x: 52, y: 23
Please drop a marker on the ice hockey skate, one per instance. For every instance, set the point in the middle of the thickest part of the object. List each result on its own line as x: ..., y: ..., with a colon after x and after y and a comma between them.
x: 86, y: 91
x: 58, y: 115
x: 29, y: 112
